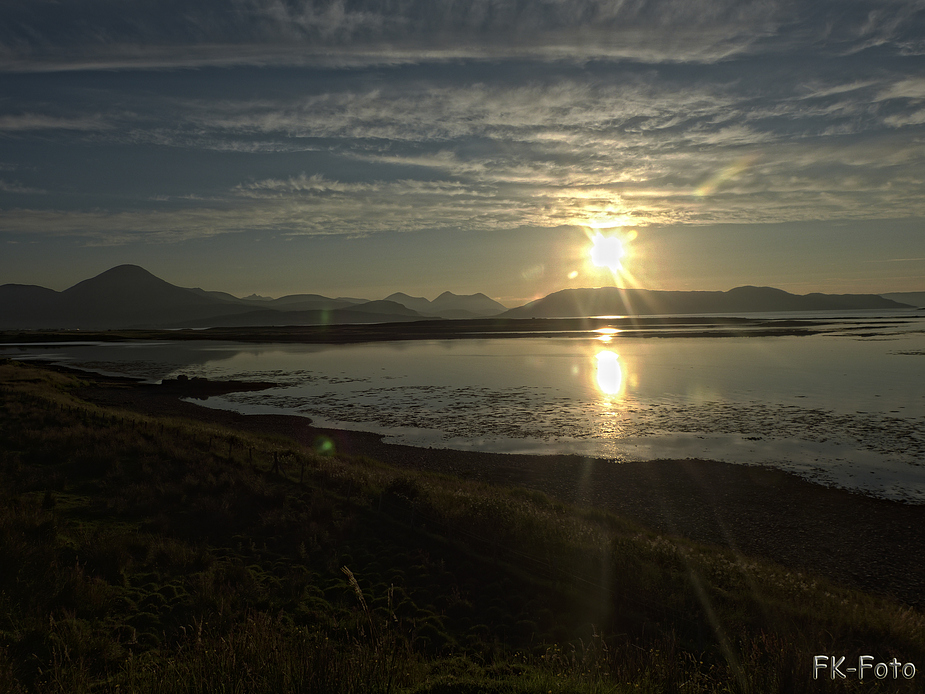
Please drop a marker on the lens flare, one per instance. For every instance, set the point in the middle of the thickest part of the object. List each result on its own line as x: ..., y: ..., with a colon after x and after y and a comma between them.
x: 727, y: 174
x: 323, y: 446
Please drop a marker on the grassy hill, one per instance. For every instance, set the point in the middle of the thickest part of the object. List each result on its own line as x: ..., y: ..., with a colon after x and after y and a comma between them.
x: 159, y: 555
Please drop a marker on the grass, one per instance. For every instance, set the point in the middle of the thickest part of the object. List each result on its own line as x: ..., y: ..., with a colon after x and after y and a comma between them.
x: 149, y: 554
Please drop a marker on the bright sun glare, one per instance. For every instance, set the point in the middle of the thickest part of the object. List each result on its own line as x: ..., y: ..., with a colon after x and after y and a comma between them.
x: 609, y: 373
x: 607, y: 251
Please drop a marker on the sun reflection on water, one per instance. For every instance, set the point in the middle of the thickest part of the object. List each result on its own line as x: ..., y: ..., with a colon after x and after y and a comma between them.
x: 609, y: 373
x: 606, y: 334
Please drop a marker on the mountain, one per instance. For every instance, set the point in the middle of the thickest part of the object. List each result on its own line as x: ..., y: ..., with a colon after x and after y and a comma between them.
x: 449, y: 305
x: 614, y: 301
x: 21, y: 304
x: 224, y: 296
x: 307, y: 302
x: 290, y: 302
x: 128, y: 296
x: 478, y: 304
x: 123, y: 295
x: 415, y: 303
x: 911, y: 298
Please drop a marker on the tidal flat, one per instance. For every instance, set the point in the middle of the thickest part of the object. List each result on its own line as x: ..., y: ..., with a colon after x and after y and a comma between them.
x: 834, y: 397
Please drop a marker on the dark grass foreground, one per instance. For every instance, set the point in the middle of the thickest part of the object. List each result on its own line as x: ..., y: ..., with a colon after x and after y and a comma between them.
x: 150, y: 554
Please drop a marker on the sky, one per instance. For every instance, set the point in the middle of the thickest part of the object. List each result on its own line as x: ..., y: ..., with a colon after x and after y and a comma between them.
x: 363, y: 147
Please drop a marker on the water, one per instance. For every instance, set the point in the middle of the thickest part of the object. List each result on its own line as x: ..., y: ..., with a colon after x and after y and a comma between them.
x: 845, y: 406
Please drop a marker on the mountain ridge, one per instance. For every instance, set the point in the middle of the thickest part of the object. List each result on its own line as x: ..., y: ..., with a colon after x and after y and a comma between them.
x: 128, y: 296
x: 450, y: 305
x: 604, y: 301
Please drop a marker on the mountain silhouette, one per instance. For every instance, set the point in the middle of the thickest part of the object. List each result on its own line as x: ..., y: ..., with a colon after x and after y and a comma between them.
x: 912, y: 298
x: 450, y: 305
x: 308, y: 302
x: 25, y: 305
x: 614, y: 301
x: 128, y: 296
x: 415, y: 303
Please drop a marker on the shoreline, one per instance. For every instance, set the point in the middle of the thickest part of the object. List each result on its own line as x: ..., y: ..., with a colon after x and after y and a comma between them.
x: 693, y: 325
x: 848, y: 537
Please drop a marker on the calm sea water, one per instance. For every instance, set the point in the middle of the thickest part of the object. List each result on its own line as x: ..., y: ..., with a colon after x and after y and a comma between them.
x: 844, y: 407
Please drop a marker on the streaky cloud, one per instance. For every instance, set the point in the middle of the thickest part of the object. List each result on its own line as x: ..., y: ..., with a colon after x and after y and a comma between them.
x: 44, y: 35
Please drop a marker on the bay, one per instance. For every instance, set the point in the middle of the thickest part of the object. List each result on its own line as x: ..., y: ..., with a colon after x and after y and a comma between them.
x: 841, y: 406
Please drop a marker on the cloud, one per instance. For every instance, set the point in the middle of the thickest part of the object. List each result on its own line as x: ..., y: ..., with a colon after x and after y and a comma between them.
x: 38, y: 121
x: 553, y: 138
x: 17, y: 187
x: 901, y: 120
x: 642, y: 150
x: 42, y: 34
x: 103, y: 34
x: 788, y: 182
x: 536, y: 113
x: 908, y: 88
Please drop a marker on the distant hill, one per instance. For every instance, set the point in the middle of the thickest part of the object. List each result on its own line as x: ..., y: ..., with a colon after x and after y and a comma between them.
x: 911, y: 298
x: 415, y: 303
x: 450, y: 305
x: 290, y: 302
x: 224, y: 296
x: 128, y: 296
x: 613, y: 301
x: 307, y: 302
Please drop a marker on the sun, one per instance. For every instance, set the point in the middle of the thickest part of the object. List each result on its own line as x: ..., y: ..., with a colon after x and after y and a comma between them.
x: 607, y: 251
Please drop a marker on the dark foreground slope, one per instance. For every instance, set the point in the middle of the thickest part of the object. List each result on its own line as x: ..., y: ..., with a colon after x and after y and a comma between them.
x: 156, y: 554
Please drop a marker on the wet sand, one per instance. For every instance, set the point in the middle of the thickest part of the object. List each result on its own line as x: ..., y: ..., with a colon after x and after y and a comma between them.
x: 865, y: 542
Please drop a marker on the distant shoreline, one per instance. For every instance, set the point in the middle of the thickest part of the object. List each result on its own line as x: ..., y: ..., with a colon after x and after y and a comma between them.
x: 487, y: 328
